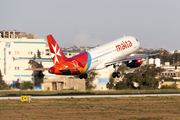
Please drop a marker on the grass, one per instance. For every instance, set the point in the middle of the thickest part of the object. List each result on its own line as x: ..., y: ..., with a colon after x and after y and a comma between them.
x: 31, y: 92
x: 125, y: 108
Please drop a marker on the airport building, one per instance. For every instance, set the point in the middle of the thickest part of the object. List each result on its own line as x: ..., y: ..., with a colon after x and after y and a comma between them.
x: 19, y: 44
x: 22, y: 44
x: 171, y: 71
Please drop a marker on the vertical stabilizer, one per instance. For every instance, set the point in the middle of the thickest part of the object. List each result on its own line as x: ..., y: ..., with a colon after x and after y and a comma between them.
x: 56, y: 52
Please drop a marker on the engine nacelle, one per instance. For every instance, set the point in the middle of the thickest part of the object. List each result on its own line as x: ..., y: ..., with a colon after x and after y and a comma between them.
x: 135, y: 63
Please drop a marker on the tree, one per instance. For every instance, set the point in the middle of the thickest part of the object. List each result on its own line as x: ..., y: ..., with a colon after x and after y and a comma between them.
x: 90, y: 79
x: 26, y: 85
x: 112, y: 81
x: 38, y: 75
x: 38, y: 54
x: 127, y: 82
x: 3, y: 85
x: 144, y: 75
x: 1, y: 79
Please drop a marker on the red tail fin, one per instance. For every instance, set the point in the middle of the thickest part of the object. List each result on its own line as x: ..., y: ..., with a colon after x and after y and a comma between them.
x: 56, y: 52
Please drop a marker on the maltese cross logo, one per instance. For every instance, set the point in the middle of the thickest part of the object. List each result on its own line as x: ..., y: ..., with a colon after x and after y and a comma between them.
x: 55, y: 54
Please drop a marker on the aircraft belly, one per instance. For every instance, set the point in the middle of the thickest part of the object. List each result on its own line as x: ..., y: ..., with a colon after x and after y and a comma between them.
x: 100, y: 66
x: 100, y: 63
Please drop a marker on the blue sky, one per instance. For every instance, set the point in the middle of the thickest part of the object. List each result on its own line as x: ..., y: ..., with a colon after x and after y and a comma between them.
x: 155, y: 23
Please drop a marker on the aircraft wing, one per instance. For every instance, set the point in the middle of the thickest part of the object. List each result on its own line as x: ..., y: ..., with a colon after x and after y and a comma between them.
x: 129, y: 58
x: 34, y: 59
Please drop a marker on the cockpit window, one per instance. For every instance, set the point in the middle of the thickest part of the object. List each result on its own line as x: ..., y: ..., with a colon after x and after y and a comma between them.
x: 137, y: 40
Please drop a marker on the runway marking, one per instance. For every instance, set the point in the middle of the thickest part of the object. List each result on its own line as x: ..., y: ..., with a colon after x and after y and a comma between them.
x: 86, y: 96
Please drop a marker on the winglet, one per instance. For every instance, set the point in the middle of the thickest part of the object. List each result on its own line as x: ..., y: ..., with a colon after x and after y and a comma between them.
x: 161, y: 53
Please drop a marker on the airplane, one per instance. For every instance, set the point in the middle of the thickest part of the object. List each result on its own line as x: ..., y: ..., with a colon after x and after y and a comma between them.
x: 112, y: 53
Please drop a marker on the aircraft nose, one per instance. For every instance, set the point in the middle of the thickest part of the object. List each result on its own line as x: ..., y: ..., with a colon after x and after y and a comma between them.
x: 138, y: 45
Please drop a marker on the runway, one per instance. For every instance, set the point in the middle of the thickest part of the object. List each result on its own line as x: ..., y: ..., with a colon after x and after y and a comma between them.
x: 89, y: 96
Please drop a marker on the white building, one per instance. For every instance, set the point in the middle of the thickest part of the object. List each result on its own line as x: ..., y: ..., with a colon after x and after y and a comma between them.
x: 155, y: 61
x: 151, y: 61
x: 102, y: 78
x: 13, y: 46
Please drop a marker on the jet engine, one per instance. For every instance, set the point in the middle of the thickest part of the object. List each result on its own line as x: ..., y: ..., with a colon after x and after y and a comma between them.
x: 135, y: 63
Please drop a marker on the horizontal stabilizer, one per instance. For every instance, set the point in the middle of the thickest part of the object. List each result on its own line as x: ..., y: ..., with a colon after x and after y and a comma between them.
x: 34, y: 59
x: 37, y: 69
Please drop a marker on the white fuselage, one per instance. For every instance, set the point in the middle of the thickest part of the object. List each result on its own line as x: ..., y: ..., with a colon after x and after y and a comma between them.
x: 118, y: 48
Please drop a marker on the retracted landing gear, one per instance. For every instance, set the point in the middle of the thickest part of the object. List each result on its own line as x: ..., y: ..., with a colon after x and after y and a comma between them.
x: 116, y: 74
x: 83, y: 76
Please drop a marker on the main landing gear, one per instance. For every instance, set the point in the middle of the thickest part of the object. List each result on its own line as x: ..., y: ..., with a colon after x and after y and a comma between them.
x: 116, y: 74
x: 83, y: 76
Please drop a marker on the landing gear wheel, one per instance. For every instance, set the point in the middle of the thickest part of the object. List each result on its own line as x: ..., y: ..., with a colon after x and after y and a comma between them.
x: 114, y: 74
x: 118, y: 74
x: 83, y: 76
